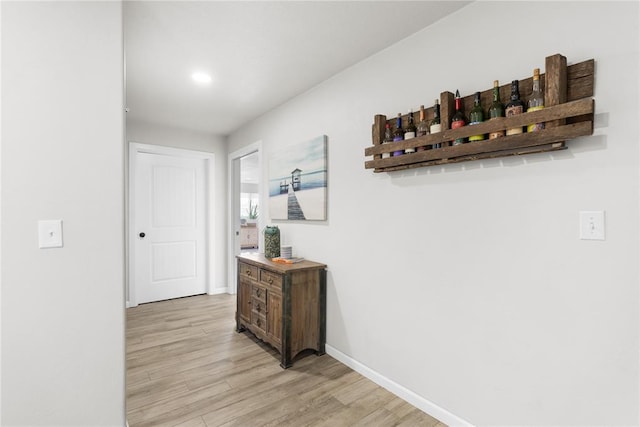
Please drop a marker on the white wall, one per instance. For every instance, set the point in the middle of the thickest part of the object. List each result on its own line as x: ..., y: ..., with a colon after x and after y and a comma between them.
x: 148, y: 133
x: 62, y: 158
x: 467, y: 284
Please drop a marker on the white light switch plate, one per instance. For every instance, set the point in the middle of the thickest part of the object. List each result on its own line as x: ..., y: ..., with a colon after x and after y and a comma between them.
x: 50, y: 233
x: 592, y: 225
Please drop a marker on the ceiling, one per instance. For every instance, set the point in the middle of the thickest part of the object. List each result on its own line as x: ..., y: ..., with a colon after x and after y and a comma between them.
x: 259, y: 53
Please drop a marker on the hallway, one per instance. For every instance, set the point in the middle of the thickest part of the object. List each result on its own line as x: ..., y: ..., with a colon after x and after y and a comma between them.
x: 187, y: 366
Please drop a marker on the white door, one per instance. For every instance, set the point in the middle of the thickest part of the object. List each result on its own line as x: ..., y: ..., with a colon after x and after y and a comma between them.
x: 169, y: 227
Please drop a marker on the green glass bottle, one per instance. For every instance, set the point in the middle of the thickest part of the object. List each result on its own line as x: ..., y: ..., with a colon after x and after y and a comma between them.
x: 436, y: 125
x: 388, y: 139
x: 496, y: 109
x: 458, y: 120
x: 536, y: 102
x: 422, y: 128
x: 476, y: 115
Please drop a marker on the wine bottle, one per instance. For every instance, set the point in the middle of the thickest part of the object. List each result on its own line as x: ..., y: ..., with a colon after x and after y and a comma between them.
x: 435, y: 125
x: 458, y: 120
x: 422, y: 128
x: 388, y: 139
x: 476, y: 115
x: 514, y: 107
x: 398, y: 135
x: 410, y: 132
x: 536, y: 102
x: 496, y: 109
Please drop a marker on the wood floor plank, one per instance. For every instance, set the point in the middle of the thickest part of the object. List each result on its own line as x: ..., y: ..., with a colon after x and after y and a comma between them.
x: 358, y: 409
x: 177, y: 403
x: 309, y: 412
x: 188, y: 367
x: 193, y: 422
x: 381, y: 417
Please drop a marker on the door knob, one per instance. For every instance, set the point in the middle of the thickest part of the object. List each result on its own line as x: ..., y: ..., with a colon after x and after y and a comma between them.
x: 142, y: 235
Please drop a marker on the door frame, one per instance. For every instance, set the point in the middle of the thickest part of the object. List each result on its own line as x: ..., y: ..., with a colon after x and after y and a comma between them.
x: 233, y: 204
x: 209, y: 162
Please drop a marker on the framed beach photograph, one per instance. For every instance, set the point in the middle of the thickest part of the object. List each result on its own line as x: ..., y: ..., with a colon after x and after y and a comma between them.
x: 298, y: 181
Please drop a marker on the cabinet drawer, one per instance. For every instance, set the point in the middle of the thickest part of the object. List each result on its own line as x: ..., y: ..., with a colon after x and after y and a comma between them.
x: 271, y: 279
x: 259, y: 306
x: 248, y: 270
x: 259, y: 321
x: 259, y: 293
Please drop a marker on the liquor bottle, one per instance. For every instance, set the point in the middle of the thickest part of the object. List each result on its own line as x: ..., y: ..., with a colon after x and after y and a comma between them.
x: 476, y: 115
x: 398, y: 135
x: 496, y: 109
x: 458, y: 120
x: 388, y: 139
x: 514, y: 107
x: 536, y: 102
x: 410, y: 132
x: 422, y: 128
x: 436, y: 126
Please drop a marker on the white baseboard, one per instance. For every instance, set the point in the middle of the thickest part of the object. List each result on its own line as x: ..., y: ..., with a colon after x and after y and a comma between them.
x: 218, y: 291
x: 418, y: 401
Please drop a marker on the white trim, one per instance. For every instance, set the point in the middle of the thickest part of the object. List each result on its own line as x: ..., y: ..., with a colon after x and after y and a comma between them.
x: 256, y: 147
x: 418, y: 401
x: 209, y: 159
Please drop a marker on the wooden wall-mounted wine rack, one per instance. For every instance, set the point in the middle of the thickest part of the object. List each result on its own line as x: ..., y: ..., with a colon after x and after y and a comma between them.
x: 568, y: 113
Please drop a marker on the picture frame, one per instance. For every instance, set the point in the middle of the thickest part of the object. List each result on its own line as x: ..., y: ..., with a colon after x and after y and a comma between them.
x: 298, y: 181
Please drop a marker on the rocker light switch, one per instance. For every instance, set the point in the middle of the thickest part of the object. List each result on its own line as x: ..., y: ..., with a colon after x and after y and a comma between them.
x: 50, y: 233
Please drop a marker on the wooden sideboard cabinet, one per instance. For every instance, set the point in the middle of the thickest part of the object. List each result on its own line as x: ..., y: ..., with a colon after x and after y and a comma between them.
x: 283, y: 304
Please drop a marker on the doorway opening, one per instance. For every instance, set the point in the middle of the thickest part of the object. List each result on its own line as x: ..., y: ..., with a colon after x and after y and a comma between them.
x: 249, y: 203
x: 246, y: 207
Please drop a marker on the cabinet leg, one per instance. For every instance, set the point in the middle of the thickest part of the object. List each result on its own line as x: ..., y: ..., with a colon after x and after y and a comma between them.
x: 285, y: 361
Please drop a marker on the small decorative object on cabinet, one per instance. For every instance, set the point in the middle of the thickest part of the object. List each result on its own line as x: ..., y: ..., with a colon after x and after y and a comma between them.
x: 283, y: 304
x: 568, y: 113
x: 248, y: 236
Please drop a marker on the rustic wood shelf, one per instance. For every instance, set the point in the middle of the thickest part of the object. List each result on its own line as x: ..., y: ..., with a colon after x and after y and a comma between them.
x: 568, y: 114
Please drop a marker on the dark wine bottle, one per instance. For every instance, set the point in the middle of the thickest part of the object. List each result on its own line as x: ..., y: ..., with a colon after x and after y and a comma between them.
x: 458, y: 120
x: 476, y: 115
x: 436, y: 126
x: 496, y: 110
x: 410, y: 132
x: 514, y: 107
x: 398, y: 135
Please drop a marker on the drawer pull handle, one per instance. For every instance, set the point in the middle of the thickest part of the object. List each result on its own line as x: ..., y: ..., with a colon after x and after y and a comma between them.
x: 270, y: 280
x: 259, y: 309
x: 248, y: 272
x: 258, y: 322
x: 258, y: 292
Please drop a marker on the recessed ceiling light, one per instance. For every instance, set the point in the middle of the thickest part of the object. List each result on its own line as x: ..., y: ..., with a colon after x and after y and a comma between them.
x: 202, y: 78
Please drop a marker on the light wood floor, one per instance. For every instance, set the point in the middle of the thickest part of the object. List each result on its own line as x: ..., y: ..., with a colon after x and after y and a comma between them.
x: 186, y: 366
